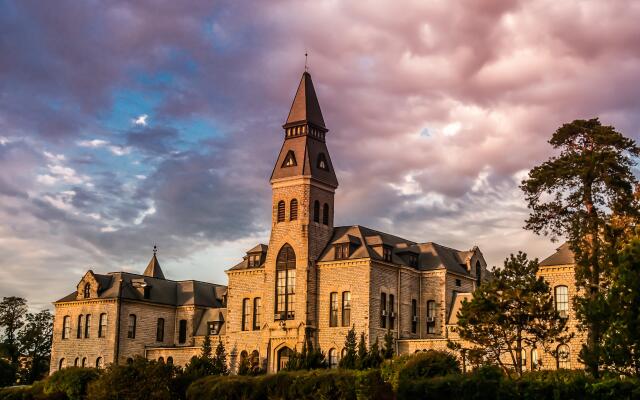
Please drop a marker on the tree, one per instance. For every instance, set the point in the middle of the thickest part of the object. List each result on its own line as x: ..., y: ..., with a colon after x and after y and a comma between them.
x: 621, y: 339
x: 220, y: 360
x: 35, y: 343
x: 514, y: 309
x: 7, y: 373
x: 203, y: 365
x: 310, y: 357
x: 388, y: 350
x: 12, y: 312
x: 575, y: 195
x: 375, y: 358
x: 362, y: 361
x: 349, y: 359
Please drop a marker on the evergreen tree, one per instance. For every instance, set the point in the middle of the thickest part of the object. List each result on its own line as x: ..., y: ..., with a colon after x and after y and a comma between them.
x: 512, y: 310
x: 35, y: 343
x: 244, y: 368
x: 206, y: 347
x: 349, y: 359
x: 375, y: 358
x: 203, y: 365
x: 388, y: 350
x: 575, y: 195
x: 363, y: 355
x: 220, y: 360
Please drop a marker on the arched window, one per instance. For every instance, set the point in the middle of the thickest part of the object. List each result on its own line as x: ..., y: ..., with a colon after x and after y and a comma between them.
x: 343, y: 352
x: 102, y: 327
x: 87, y: 291
x: 99, y: 363
x: 281, y: 207
x: 561, y: 295
x: 283, y: 357
x: 61, y: 364
x: 66, y: 327
x: 160, y: 330
x: 170, y: 360
x: 316, y: 211
x: 131, y: 331
x: 325, y: 214
x: 76, y: 363
x: 129, y: 360
x: 79, y: 328
x: 563, y: 357
x: 243, y: 356
x: 87, y: 325
x: 257, y: 313
x: 254, y: 362
x: 84, y: 362
x: 161, y: 360
x: 293, y: 210
x: 333, y: 358
x: 285, y: 282
x: 534, y: 359
x: 322, y: 162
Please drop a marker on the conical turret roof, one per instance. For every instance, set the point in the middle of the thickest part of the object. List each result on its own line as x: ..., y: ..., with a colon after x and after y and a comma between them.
x: 305, y: 107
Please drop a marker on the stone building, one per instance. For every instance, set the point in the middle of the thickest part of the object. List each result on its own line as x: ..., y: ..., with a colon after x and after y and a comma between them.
x: 313, y: 280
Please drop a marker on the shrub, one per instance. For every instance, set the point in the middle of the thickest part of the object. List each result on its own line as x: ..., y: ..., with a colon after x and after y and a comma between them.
x: 7, y: 373
x: 72, y: 381
x: 223, y: 388
x: 390, y: 369
x: 429, y: 364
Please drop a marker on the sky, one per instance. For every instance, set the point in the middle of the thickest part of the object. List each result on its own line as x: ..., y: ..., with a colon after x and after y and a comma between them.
x: 129, y: 124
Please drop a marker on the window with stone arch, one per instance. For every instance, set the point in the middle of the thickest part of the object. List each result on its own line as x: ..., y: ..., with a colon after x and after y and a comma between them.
x: 563, y: 357
x: 61, y: 364
x: 333, y: 358
x: 293, y: 210
x: 285, y: 282
x: 87, y: 290
x: 316, y: 211
x: 325, y: 214
x: 66, y: 327
x: 281, y: 210
x: 561, y: 297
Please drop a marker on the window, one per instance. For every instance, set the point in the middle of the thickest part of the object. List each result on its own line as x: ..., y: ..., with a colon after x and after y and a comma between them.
x: 254, y: 260
x: 84, y: 362
x: 383, y: 310
x: 66, y: 327
x: 131, y: 331
x: 431, y: 316
x: 281, y: 211
x: 61, y: 363
x: 458, y: 283
x: 257, y: 313
x: 160, y: 330
x: 392, y: 314
x: 346, y: 308
x: 79, y: 327
x: 325, y: 214
x: 322, y: 162
x: 76, y: 363
x: 333, y: 309
x: 245, y: 314
x: 523, y: 359
x: 211, y: 328
x: 87, y: 325
x: 87, y: 291
x: 293, y: 210
x: 413, y: 260
x: 146, y: 292
x: 161, y: 360
x: 290, y: 160
x: 562, y: 301
x: 254, y: 362
x: 99, y: 363
x: 342, y: 251
x: 316, y: 211
x: 182, y: 331
x: 169, y: 360
x: 333, y: 358
x: 534, y: 359
x: 386, y: 253
x: 102, y: 327
x: 414, y: 316
x: 563, y: 357
x: 285, y: 282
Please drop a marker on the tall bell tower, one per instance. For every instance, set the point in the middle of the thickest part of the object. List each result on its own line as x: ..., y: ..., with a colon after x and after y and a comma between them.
x: 303, y: 186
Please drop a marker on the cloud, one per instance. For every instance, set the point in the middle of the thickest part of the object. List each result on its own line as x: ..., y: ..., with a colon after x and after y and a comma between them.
x: 99, y: 143
x: 140, y: 120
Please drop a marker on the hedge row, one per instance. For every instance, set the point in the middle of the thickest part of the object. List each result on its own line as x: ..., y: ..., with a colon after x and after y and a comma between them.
x: 313, y: 385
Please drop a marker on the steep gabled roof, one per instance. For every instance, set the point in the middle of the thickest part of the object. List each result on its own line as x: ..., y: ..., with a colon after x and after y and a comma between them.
x: 153, y: 269
x: 305, y: 107
x: 562, y: 256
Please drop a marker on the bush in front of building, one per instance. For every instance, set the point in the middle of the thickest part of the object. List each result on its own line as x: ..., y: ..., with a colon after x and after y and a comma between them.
x: 72, y: 381
x: 7, y: 373
x: 429, y: 364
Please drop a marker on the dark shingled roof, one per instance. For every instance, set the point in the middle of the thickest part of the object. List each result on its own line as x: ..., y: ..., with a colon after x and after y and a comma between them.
x: 153, y: 268
x: 365, y: 241
x: 244, y: 264
x: 305, y: 106
x: 562, y: 256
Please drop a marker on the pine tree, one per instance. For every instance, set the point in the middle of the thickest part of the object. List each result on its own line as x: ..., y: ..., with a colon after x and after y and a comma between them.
x: 388, y: 350
x: 363, y: 355
x: 206, y: 347
x: 349, y: 359
x: 220, y: 360
x: 375, y: 358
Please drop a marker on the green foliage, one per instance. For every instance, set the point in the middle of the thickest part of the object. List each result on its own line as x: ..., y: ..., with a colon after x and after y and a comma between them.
x: 72, y: 381
x: 621, y: 339
x: 202, y: 365
x: 390, y: 369
x: 35, y: 343
x: 141, y: 380
x: 12, y: 312
x: 429, y: 364
x: 350, y: 357
x: 7, y: 373
x: 512, y: 310
x: 220, y: 360
x: 363, y: 355
x: 303, y: 385
x: 374, y: 358
x: 310, y: 358
x: 587, y: 194
x: 389, y: 346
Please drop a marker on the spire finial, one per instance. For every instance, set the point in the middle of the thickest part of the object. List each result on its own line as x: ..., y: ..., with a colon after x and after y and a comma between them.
x: 306, y: 66
x: 155, y: 249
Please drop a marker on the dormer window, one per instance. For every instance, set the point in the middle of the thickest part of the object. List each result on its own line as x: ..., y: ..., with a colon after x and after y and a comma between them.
x: 87, y: 291
x: 413, y: 260
x: 322, y: 162
x: 290, y: 160
x: 386, y: 253
x: 342, y: 251
x: 254, y: 260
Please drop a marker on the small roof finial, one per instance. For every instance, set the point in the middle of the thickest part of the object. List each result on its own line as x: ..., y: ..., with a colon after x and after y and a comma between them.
x: 155, y: 249
x: 306, y: 66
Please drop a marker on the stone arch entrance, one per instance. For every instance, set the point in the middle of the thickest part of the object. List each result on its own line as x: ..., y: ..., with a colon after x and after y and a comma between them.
x: 283, y: 357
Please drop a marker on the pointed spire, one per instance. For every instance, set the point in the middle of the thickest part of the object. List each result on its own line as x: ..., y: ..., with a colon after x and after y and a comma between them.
x: 305, y: 107
x: 153, y: 270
